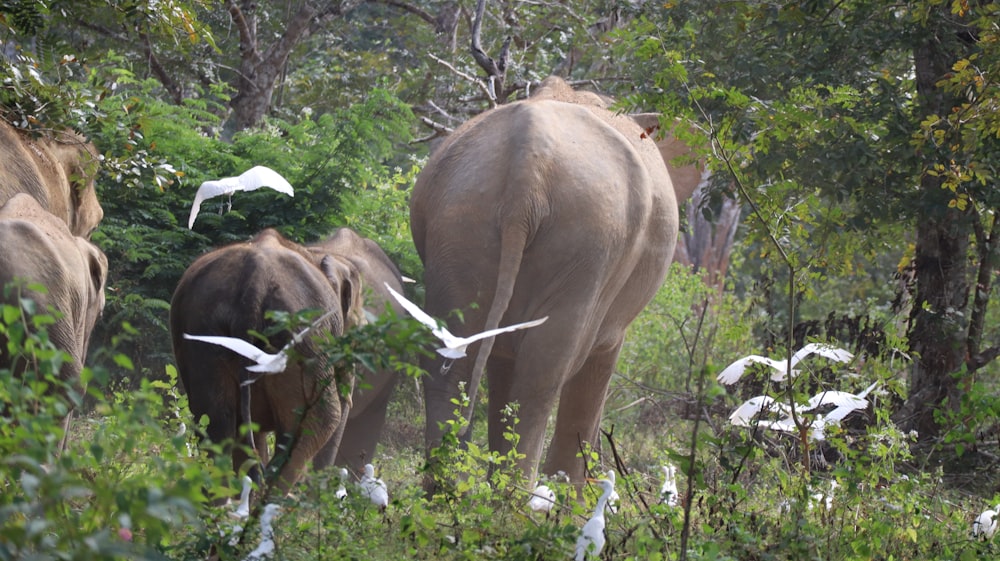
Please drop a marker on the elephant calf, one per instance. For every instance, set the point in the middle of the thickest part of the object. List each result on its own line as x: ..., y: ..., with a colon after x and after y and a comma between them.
x: 38, y: 248
x: 226, y: 293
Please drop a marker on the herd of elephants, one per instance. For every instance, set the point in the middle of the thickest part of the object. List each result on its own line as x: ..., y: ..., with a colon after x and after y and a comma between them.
x: 550, y: 206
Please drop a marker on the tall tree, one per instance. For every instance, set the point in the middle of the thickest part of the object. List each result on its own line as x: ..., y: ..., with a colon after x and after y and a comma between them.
x: 843, y: 122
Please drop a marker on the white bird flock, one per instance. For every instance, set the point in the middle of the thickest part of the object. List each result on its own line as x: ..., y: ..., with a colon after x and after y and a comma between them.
x: 454, y: 347
x: 250, y: 180
x: 844, y: 404
x: 985, y: 525
x: 732, y: 373
x: 266, y: 363
x: 374, y: 488
x: 591, y: 540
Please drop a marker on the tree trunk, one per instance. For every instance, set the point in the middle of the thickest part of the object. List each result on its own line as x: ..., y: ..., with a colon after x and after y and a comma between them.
x: 938, y: 325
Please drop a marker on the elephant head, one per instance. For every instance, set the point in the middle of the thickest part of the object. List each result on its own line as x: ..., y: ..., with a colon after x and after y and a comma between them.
x: 371, y: 396
x: 228, y: 292
x: 37, y: 247
x: 58, y: 170
x: 552, y: 206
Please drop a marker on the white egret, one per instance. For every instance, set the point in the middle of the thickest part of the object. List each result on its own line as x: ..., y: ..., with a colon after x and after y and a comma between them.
x: 243, y: 509
x: 824, y: 498
x: 542, y: 499
x: 374, y: 488
x: 250, y: 180
x: 744, y: 415
x: 454, y: 347
x: 342, y: 489
x: 265, y: 549
x: 668, y: 492
x: 591, y: 540
x: 613, y: 499
x: 985, y: 525
x: 266, y: 363
x: 732, y: 373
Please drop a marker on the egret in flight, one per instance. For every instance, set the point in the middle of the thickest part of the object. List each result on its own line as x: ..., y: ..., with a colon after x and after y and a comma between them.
x: 732, y: 373
x: 454, y: 347
x: 250, y: 180
x: 266, y: 363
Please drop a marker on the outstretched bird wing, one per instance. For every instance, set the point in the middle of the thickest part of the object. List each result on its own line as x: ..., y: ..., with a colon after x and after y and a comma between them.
x: 238, y: 346
x: 420, y: 315
x: 732, y: 373
x: 824, y: 350
x: 261, y: 176
x: 465, y: 341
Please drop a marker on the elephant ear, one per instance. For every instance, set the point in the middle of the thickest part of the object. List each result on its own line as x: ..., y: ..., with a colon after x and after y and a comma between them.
x: 97, y: 266
x: 345, y: 279
x: 677, y: 155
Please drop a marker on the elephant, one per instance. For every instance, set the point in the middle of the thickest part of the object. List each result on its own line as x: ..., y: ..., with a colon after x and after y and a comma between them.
x: 58, y: 170
x: 37, y: 247
x: 226, y: 292
x: 370, y: 398
x: 550, y: 206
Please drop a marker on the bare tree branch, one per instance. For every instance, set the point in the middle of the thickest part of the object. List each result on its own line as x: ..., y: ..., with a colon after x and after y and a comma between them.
x: 496, y: 71
x: 159, y: 71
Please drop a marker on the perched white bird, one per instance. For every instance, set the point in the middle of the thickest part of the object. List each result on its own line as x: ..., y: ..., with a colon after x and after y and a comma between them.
x: 454, y: 347
x: 668, y: 492
x: 243, y: 509
x: 591, y: 540
x: 266, y: 363
x: 542, y: 499
x: 985, y: 525
x: 265, y: 549
x: 374, y: 488
x: 250, y: 180
x: 613, y: 499
x: 342, y: 489
x: 732, y: 373
x: 745, y: 414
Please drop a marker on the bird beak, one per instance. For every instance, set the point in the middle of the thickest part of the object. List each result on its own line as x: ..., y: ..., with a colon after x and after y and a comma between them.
x: 591, y: 480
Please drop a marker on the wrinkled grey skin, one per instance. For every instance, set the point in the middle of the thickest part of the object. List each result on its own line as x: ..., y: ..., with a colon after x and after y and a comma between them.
x: 553, y: 206
x: 58, y: 170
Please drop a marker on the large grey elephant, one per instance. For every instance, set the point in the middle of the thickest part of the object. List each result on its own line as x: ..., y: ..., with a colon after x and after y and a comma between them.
x: 38, y: 248
x: 58, y: 170
x: 553, y: 206
x: 373, y: 390
x: 227, y: 292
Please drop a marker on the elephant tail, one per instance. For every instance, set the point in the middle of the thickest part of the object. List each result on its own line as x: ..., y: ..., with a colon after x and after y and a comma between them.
x: 513, y: 242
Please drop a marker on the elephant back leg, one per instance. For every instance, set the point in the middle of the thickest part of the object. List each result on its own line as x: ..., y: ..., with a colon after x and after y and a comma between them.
x: 579, y: 415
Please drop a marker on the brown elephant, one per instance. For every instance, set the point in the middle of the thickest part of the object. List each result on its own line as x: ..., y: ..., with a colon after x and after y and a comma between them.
x: 37, y: 247
x: 372, y: 393
x: 553, y: 206
x: 58, y: 170
x: 226, y: 292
